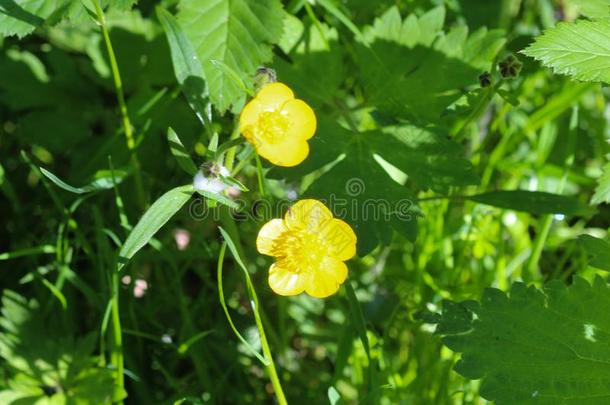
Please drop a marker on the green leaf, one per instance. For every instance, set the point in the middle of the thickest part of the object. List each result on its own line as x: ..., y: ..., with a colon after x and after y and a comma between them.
x: 319, y: 56
x: 359, y: 189
x: 598, y: 249
x: 531, y: 346
x: 38, y: 351
x: 180, y: 153
x: 238, y: 33
x: 102, y: 181
x: 21, y: 17
x: 187, y: 66
x: 602, y: 192
x: 579, y: 49
x: 592, y: 8
x: 534, y: 202
x: 153, y: 219
x: 413, y: 69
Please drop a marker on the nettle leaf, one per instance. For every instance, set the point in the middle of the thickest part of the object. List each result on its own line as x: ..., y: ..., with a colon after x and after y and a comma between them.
x: 593, y: 8
x: 598, y: 250
x: 577, y: 49
x: 21, y: 17
x: 361, y: 188
x: 531, y: 346
x: 412, y: 68
x: 238, y: 33
x: 602, y: 192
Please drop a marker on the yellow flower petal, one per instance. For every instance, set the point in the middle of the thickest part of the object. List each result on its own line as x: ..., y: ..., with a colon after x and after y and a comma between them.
x: 268, y: 234
x: 327, y: 279
x: 249, y: 116
x: 339, y: 238
x: 286, y: 282
x: 287, y: 154
x: 274, y: 95
x: 302, y: 119
x: 307, y: 214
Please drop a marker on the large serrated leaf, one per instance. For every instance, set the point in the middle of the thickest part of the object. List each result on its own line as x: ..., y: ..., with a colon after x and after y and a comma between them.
x: 359, y: 188
x: 238, y: 33
x: 412, y: 68
x: 157, y: 215
x: 531, y: 346
x: 579, y: 49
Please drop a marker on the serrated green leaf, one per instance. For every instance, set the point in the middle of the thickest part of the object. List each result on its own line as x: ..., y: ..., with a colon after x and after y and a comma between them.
x: 153, y: 219
x: 579, y: 49
x: 359, y: 189
x: 598, y: 249
x: 413, y: 69
x: 602, y: 192
x: 180, y: 153
x: 238, y: 33
x: 534, y: 202
x: 531, y: 346
x: 592, y: 8
x: 21, y: 17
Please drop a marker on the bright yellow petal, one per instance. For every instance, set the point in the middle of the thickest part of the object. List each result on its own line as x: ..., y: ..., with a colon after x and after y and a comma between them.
x: 327, y: 279
x: 339, y: 239
x: 286, y: 282
x: 250, y: 114
x: 307, y: 214
x: 268, y: 234
x: 286, y: 154
x: 274, y: 95
x: 302, y: 119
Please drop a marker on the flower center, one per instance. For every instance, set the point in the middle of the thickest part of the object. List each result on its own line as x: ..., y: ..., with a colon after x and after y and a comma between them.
x: 272, y: 126
x: 299, y: 250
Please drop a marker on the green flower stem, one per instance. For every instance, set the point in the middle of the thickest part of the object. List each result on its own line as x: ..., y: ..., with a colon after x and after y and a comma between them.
x: 268, y: 357
x: 117, y: 336
x: 118, y: 85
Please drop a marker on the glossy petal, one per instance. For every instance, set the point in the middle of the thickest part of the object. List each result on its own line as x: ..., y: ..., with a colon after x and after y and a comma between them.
x: 307, y: 214
x: 286, y: 154
x: 327, y: 279
x: 302, y: 119
x: 339, y: 238
x: 274, y: 95
x: 286, y: 282
x: 268, y: 234
x: 249, y: 116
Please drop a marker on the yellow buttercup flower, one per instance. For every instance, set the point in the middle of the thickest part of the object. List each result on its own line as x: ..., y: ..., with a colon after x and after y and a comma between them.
x: 278, y: 125
x: 310, y: 246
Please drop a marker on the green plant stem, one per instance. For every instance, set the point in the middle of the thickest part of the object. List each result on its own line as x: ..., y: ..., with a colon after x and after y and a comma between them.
x: 117, y: 335
x: 275, y: 380
x: 118, y: 85
x: 268, y: 357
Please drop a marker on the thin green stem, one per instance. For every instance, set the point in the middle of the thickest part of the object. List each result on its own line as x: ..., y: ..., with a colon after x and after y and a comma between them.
x: 117, y: 335
x: 273, y: 376
x: 268, y: 357
x: 118, y: 85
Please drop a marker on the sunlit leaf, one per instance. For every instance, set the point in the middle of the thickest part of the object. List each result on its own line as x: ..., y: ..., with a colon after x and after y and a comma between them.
x: 531, y: 346
x: 577, y: 49
x: 153, y: 219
